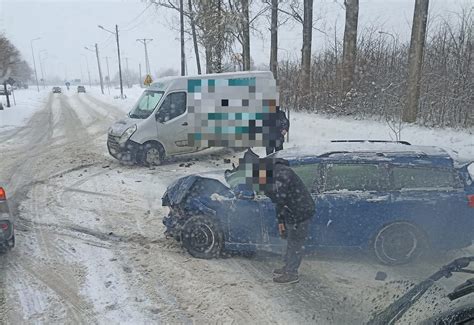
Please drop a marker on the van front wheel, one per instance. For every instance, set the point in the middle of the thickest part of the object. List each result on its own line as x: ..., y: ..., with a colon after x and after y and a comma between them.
x: 153, y: 154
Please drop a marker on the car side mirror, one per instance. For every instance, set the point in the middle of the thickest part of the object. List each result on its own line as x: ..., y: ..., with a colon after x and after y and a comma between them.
x: 246, y: 195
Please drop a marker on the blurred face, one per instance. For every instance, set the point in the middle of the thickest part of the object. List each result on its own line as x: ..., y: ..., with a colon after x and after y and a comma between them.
x: 258, y: 174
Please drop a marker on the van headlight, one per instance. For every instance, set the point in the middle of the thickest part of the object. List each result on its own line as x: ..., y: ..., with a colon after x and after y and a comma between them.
x: 127, y: 134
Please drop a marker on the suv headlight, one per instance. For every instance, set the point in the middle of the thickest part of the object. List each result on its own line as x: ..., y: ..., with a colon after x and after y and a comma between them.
x: 127, y: 134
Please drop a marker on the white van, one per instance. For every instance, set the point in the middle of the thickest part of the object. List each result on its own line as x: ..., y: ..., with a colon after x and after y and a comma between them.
x: 164, y: 119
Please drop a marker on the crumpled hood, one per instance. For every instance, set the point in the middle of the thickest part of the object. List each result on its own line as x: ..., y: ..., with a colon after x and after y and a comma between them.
x: 119, y: 127
x: 193, y: 185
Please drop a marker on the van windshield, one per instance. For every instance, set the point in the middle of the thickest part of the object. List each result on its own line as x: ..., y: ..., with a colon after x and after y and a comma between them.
x: 145, y: 104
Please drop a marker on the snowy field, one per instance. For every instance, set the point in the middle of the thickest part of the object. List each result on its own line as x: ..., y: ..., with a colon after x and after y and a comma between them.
x: 90, y: 244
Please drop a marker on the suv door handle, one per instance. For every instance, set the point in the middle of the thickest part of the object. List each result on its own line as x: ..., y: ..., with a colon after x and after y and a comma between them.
x: 185, y: 123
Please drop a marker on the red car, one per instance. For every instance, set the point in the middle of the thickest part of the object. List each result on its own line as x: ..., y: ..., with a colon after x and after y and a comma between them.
x: 7, y: 225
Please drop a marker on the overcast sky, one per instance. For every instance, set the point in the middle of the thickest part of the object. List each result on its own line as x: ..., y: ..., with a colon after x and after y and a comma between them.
x: 66, y: 26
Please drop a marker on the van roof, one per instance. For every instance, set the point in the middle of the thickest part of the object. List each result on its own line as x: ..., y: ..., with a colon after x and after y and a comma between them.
x: 181, y: 81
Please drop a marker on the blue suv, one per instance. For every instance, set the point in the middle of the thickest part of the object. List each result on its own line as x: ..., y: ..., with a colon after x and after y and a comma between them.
x: 392, y: 199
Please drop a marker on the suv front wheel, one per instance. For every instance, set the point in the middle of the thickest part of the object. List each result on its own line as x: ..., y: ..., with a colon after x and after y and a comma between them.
x: 399, y: 243
x: 202, y: 237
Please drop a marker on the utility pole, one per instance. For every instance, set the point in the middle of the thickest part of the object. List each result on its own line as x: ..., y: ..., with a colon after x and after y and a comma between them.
x: 34, y: 63
x: 100, y: 70
x: 140, y: 74
x: 108, y: 73
x: 98, y: 65
x: 127, y: 73
x: 116, y: 33
x: 120, y: 64
x: 147, y: 62
x: 88, y: 71
x: 181, y: 22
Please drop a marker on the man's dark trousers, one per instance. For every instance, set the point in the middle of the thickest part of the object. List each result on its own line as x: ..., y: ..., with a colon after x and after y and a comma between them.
x: 278, y: 146
x: 296, y: 238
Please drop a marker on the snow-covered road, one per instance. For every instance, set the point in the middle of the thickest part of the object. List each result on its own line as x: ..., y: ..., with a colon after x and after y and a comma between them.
x: 90, y: 244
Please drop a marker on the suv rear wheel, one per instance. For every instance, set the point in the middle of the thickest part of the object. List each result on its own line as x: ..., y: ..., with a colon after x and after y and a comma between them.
x: 399, y: 243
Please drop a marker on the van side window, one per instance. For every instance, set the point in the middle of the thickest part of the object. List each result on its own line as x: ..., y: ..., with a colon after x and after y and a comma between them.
x: 173, y: 106
x: 411, y: 178
x: 309, y: 175
x: 355, y: 177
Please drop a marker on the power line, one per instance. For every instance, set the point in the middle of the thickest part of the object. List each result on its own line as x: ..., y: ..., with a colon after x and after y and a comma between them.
x: 138, y: 16
x: 147, y: 61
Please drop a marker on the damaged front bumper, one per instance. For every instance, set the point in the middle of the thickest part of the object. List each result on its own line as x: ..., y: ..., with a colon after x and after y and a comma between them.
x: 128, y: 152
x: 174, y: 224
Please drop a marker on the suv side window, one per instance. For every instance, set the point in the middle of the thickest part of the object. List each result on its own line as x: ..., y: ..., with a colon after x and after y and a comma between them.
x: 173, y: 106
x: 309, y: 174
x: 417, y: 178
x: 355, y: 177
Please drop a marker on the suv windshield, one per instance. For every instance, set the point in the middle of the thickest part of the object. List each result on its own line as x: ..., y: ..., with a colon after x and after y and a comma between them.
x: 146, y: 104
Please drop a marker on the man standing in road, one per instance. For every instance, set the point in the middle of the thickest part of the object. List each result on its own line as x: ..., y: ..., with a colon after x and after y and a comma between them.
x: 294, y: 210
x: 283, y: 126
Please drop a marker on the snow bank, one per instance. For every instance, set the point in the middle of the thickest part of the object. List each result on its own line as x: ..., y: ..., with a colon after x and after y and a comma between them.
x: 313, y: 129
x: 28, y: 101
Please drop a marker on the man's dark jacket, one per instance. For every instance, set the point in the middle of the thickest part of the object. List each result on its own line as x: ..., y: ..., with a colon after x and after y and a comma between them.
x: 293, y: 201
x: 282, y: 123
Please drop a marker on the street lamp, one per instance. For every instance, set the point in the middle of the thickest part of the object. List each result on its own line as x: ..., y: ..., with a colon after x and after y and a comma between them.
x: 34, y: 63
x: 41, y: 66
x: 98, y: 66
x: 116, y: 33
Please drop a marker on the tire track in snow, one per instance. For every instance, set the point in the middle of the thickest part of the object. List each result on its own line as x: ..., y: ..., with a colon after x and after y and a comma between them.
x: 112, y: 111
x: 37, y: 136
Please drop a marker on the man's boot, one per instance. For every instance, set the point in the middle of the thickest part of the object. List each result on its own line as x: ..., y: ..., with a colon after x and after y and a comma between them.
x: 287, y: 278
x: 279, y: 271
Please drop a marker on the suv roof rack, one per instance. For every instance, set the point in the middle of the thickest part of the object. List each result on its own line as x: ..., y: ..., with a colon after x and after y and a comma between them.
x: 373, y: 141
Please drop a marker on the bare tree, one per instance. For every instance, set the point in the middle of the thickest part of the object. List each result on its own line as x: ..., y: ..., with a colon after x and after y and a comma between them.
x: 274, y: 39
x: 350, y: 44
x: 21, y: 71
x: 181, y: 33
x: 306, y: 49
x: 194, y: 35
x: 415, y: 60
x: 213, y: 27
x: 9, y: 58
x: 246, y: 34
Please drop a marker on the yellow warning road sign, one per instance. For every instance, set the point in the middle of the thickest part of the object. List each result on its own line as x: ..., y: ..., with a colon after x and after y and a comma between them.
x: 148, y: 80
